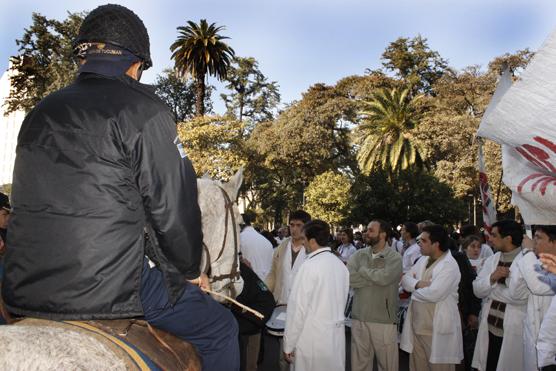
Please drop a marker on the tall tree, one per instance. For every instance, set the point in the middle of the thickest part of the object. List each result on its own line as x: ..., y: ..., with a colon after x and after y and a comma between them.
x: 252, y: 95
x: 308, y: 138
x: 198, y: 51
x: 385, y: 135
x: 414, y: 62
x: 44, y: 62
x: 328, y: 197
x: 405, y: 196
x: 447, y: 129
x: 180, y: 95
x: 213, y: 145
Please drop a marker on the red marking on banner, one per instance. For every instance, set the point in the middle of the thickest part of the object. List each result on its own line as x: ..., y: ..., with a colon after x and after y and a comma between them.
x: 547, y: 143
x: 545, y: 184
x: 527, y: 179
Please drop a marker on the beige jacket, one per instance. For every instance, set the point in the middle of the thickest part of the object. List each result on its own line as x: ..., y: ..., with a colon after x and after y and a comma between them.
x: 275, y: 279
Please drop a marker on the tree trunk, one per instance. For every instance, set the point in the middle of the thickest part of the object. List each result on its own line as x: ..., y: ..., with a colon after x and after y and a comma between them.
x: 200, y: 95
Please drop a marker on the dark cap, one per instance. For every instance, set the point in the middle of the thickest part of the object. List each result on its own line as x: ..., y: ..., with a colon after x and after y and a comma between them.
x: 117, y: 25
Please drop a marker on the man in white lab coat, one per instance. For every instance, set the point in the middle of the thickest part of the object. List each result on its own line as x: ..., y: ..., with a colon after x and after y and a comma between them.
x: 525, y: 284
x: 411, y: 251
x: 286, y: 262
x: 499, y: 343
x: 432, y: 329
x: 545, y: 243
x: 314, y: 339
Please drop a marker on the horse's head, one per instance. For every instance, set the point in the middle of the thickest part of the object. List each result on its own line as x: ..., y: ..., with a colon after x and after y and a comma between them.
x: 221, y: 219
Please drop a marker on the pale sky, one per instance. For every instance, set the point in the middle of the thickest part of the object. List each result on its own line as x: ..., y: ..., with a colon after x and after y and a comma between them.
x: 302, y: 42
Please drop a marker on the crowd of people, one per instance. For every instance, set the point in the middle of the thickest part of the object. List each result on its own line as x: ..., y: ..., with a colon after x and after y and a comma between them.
x: 462, y: 300
x: 109, y: 164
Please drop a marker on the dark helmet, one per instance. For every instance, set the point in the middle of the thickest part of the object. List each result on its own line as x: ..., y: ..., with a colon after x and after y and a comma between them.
x: 119, y: 26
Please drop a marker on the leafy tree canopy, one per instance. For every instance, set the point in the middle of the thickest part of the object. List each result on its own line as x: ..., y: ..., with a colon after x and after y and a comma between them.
x: 251, y: 95
x: 408, y: 196
x: 213, y: 146
x: 415, y: 63
x: 327, y: 197
x: 180, y: 95
x: 385, y: 133
x: 45, y: 61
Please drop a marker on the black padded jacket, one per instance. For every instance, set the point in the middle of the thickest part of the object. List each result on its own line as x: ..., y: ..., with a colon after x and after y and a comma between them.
x: 96, y: 163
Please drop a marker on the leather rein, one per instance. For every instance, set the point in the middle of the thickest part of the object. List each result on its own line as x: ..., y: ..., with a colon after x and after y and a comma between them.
x: 234, y: 272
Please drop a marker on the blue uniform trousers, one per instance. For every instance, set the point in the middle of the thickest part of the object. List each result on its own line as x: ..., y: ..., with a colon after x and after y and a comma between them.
x: 196, y: 318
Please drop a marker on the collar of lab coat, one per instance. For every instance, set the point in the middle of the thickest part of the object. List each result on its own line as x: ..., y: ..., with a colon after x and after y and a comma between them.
x: 318, y: 251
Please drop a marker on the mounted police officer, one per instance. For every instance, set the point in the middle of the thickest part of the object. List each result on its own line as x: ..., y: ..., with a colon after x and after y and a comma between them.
x: 96, y: 162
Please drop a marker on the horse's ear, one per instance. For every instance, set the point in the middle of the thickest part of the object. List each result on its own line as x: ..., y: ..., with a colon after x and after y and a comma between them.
x: 206, y: 175
x: 233, y: 186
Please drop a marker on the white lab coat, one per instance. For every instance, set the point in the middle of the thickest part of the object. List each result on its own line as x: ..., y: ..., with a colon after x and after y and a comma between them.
x: 257, y: 249
x: 447, y: 341
x: 289, y: 272
x: 546, y: 342
x: 524, y: 283
x: 346, y: 251
x: 410, y: 256
x: 486, y: 251
x: 511, y: 353
x: 315, y: 316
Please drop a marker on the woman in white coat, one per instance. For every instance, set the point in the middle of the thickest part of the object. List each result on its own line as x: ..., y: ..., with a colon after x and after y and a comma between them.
x: 441, y: 290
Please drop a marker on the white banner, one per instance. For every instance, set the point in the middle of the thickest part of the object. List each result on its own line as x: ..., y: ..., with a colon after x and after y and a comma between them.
x: 522, y: 117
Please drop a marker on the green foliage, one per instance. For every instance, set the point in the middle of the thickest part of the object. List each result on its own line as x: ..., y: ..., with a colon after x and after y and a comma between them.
x: 308, y: 138
x: 447, y: 129
x: 44, y: 62
x: 251, y: 95
x: 385, y: 135
x: 385, y: 123
x: 213, y: 146
x: 327, y: 197
x: 516, y: 62
x: 179, y: 94
x: 311, y: 136
x: 415, y: 63
x: 407, y: 196
x: 199, y: 50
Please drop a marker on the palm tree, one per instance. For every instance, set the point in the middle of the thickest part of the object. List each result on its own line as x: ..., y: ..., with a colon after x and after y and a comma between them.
x: 199, y: 50
x: 385, y: 136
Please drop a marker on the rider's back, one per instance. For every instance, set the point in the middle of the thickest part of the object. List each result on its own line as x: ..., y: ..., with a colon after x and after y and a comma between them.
x: 82, y: 185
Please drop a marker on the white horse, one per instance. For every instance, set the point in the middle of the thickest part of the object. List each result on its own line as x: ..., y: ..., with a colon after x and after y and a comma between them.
x: 221, y: 220
x: 51, y: 347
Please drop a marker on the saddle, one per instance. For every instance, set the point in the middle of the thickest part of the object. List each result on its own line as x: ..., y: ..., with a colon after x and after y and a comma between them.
x: 138, y: 344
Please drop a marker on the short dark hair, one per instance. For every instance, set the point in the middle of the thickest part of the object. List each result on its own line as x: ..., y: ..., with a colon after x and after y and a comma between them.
x: 266, y: 234
x: 411, y: 228
x: 299, y: 215
x: 384, y: 226
x: 424, y: 223
x: 549, y: 230
x: 437, y: 233
x: 510, y: 228
x: 317, y: 229
x: 469, y: 230
x: 348, y: 232
x: 248, y: 217
x: 469, y: 240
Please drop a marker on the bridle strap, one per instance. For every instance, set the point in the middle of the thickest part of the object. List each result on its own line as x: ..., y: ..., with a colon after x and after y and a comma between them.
x: 228, y: 205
